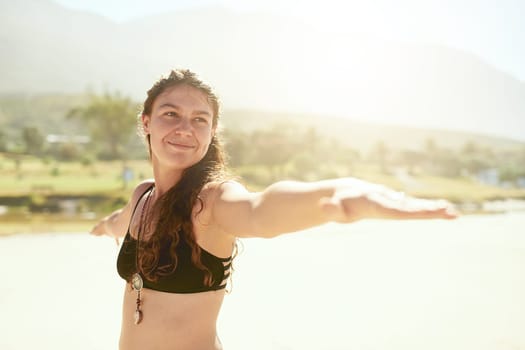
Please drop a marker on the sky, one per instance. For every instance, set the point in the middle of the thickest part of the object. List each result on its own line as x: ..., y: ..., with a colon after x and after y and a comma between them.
x: 493, y: 30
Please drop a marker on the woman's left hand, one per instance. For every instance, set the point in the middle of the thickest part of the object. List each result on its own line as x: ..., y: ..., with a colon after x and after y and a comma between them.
x: 349, y: 205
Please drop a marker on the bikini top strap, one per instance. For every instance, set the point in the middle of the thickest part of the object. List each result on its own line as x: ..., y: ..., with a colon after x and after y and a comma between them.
x: 137, y: 204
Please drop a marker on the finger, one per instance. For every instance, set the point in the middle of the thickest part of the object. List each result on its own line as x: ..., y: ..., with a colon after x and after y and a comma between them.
x: 450, y: 213
x: 96, y: 230
x: 419, y: 213
x: 438, y: 208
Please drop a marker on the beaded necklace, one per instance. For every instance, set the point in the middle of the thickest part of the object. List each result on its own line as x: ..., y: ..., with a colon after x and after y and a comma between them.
x: 136, y: 280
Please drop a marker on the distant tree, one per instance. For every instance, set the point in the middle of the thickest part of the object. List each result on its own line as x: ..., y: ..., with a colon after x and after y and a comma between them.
x: 33, y: 140
x: 237, y: 145
x: 448, y: 164
x: 272, y: 148
x: 431, y: 147
x: 508, y: 174
x: 470, y: 148
x: 311, y: 140
x: 475, y: 163
x: 3, y: 141
x: 111, y: 121
x: 305, y: 164
x: 380, y: 153
x: 68, y: 152
x: 411, y: 159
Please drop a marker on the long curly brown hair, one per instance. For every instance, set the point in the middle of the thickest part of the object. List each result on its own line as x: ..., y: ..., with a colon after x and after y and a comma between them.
x: 173, y: 210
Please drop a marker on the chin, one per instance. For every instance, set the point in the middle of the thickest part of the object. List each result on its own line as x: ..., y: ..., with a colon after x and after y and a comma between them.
x: 181, y: 164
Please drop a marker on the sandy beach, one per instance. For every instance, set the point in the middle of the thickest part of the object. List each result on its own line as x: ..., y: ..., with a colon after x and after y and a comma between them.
x: 370, y: 285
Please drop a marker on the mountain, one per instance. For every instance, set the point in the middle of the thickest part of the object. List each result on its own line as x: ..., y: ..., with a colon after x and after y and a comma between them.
x: 259, y: 61
x: 364, y: 136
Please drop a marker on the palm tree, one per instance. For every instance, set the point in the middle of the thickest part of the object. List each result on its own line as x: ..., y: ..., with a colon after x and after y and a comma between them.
x: 111, y: 119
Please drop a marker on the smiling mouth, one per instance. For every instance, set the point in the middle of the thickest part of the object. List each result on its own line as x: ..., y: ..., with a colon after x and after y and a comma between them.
x: 180, y: 145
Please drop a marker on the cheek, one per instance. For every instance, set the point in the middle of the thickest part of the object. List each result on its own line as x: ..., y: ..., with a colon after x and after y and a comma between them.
x: 155, y: 140
x: 205, y: 136
x: 158, y: 124
x: 159, y: 128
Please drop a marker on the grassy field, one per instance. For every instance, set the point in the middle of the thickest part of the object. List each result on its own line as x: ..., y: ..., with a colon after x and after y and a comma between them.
x: 67, y: 178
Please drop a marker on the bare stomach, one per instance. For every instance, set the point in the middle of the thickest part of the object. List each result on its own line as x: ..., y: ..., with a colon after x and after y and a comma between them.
x: 171, y: 321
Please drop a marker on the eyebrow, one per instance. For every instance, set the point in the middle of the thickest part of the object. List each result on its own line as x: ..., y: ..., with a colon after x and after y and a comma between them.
x: 171, y: 105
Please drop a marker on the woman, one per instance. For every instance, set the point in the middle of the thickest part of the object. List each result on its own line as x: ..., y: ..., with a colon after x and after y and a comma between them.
x: 187, y: 219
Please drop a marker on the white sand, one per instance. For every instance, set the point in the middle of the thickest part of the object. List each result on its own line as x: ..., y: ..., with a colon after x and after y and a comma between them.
x: 371, y: 285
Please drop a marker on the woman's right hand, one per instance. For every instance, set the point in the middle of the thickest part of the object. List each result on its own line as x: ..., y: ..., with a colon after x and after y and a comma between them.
x: 100, y: 228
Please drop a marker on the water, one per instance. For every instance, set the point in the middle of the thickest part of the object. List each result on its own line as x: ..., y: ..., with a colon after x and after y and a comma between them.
x: 370, y: 285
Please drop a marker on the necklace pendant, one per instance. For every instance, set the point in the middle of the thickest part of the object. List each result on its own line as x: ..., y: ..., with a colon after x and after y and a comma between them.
x: 138, y: 316
x: 136, y: 282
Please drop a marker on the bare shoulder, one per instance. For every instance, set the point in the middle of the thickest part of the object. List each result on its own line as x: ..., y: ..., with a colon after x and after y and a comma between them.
x: 218, y: 190
x: 140, y: 189
x: 213, y: 194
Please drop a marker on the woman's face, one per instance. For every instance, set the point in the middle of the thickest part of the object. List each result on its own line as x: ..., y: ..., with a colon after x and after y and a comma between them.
x: 180, y: 127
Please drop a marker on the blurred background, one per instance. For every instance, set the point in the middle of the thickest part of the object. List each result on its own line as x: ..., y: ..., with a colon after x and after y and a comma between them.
x: 427, y: 97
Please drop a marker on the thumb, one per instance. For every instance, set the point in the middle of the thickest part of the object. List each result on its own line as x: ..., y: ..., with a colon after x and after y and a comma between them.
x: 331, y: 207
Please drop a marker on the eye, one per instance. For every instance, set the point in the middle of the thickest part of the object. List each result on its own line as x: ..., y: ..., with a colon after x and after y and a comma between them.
x: 201, y: 120
x: 170, y: 114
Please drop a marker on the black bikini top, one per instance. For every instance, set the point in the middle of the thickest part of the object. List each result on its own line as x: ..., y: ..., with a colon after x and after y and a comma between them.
x: 187, y: 278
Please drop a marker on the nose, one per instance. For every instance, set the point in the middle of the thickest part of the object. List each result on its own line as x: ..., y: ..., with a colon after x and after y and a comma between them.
x: 183, y: 127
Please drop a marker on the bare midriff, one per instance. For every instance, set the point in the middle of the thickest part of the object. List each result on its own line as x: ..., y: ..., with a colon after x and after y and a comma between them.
x: 171, y: 321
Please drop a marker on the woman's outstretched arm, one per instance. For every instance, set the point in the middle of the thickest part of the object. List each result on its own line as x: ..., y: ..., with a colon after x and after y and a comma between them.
x: 289, y: 206
x: 116, y: 223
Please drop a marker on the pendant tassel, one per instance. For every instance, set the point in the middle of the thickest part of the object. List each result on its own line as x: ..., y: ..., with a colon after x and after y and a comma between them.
x: 138, y: 312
